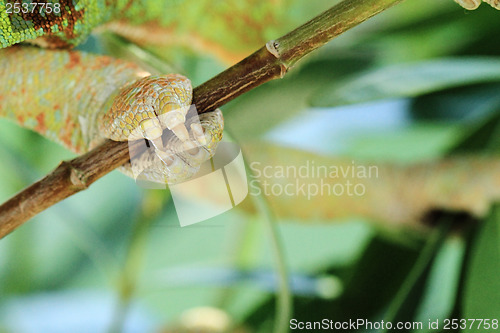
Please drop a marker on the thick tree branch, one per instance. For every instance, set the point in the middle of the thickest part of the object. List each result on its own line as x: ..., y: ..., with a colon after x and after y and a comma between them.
x: 270, y: 62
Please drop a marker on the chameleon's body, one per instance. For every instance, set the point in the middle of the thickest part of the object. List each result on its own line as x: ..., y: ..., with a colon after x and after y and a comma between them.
x: 64, y: 112
x: 78, y: 99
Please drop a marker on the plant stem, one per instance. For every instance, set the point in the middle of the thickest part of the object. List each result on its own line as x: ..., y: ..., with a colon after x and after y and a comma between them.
x: 273, y: 60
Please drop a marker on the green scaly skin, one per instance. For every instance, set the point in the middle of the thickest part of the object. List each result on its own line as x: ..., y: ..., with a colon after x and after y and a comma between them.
x: 67, y: 28
x: 66, y: 113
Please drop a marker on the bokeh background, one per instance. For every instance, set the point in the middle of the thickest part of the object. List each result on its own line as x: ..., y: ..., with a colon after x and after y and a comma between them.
x: 417, y: 83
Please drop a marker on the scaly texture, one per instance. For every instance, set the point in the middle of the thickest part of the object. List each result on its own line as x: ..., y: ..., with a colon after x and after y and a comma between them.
x: 61, y: 99
x: 166, y: 97
x: 105, y: 98
x: 67, y: 23
x: 129, y: 108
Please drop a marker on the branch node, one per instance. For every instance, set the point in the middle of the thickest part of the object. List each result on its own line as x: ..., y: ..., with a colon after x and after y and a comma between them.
x: 77, y: 177
x: 273, y: 47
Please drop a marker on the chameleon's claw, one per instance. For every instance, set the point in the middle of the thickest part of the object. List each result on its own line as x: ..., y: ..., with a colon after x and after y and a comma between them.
x: 152, y: 131
x: 469, y: 4
x: 198, y: 134
x: 151, y: 128
x: 195, y: 154
x: 181, y: 132
x: 493, y: 3
x: 190, y: 147
x: 473, y: 4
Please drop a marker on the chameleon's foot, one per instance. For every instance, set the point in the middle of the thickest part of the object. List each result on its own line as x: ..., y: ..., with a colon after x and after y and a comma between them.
x: 144, y: 108
x: 180, y: 160
x: 147, y: 107
x: 493, y: 3
x: 474, y: 4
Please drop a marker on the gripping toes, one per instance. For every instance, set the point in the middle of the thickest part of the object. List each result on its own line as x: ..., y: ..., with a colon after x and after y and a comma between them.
x: 473, y: 4
x: 180, y: 159
x: 494, y: 3
x: 144, y: 109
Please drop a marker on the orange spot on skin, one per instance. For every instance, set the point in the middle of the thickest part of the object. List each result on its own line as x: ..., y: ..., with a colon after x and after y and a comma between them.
x: 67, y: 131
x: 20, y: 119
x: 56, y: 107
x: 40, y: 127
x: 74, y: 60
x: 101, y: 62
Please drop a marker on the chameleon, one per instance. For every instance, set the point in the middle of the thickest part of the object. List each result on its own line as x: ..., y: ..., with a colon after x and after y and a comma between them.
x: 79, y: 99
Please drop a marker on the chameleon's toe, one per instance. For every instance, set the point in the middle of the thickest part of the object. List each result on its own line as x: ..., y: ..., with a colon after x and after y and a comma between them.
x: 493, y: 3
x: 469, y: 4
x: 188, y: 151
x: 181, y: 132
x: 195, y: 154
x: 198, y: 134
x: 474, y: 4
x: 173, y: 164
x: 181, y: 158
x: 162, y: 167
x: 174, y: 120
x: 213, y: 126
x: 191, y: 148
x: 151, y: 130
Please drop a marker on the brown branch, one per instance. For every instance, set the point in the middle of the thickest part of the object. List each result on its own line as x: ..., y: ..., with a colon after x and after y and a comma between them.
x: 270, y: 62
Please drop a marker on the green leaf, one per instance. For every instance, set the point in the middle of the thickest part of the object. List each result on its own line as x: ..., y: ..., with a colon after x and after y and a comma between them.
x: 408, y: 297
x: 439, y: 296
x: 483, y: 137
x: 409, y: 80
x: 377, y: 277
x: 482, y: 289
x: 462, y: 104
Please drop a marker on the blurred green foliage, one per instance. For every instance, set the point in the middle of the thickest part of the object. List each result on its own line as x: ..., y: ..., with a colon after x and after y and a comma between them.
x: 114, y: 257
